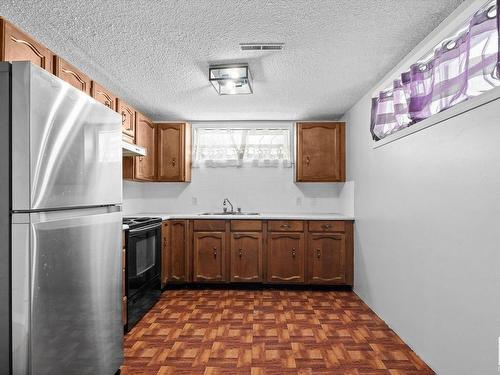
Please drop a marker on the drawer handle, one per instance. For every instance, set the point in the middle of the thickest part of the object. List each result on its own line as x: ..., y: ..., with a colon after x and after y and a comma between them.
x: 318, y: 253
x: 293, y: 252
x: 285, y: 225
x: 240, y: 253
x: 326, y: 226
x: 215, y: 252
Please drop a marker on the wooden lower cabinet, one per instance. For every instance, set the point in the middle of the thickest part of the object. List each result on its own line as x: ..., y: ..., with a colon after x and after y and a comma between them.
x: 208, y: 256
x: 246, y: 257
x: 327, y: 258
x: 285, y: 258
x: 178, y: 249
x: 231, y: 251
x: 165, y: 253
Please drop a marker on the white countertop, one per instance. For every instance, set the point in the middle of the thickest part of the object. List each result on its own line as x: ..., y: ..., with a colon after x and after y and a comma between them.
x: 263, y: 216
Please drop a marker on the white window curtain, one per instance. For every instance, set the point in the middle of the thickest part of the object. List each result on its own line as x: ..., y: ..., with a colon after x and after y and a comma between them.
x: 238, y: 146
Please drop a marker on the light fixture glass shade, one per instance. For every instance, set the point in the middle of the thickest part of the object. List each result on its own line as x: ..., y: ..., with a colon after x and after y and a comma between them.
x: 231, y: 79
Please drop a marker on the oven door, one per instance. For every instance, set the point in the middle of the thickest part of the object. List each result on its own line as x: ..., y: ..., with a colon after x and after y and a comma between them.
x: 143, y: 258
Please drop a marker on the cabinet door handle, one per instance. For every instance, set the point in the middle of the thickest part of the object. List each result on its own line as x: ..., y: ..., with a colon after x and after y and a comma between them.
x: 124, y: 117
x: 173, y: 162
x: 107, y: 103
x: 215, y: 252
x: 318, y: 253
x: 293, y: 252
x: 308, y: 159
x: 240, y: 253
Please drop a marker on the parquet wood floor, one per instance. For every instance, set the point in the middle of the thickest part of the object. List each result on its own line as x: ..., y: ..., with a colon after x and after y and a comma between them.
x: 265, y: 332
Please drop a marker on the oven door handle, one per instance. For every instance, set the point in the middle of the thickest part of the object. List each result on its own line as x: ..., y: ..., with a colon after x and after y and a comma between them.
x: 144, y: 229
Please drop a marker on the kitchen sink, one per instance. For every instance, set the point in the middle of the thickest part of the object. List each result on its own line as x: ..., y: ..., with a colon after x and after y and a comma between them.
x: 229, y: 213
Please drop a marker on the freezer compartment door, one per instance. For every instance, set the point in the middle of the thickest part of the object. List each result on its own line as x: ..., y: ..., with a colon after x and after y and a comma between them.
x: 66, y: 146
x: 75, y: 286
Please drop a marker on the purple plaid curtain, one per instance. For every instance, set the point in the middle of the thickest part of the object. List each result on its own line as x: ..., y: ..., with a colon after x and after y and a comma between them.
x: 462, y: 67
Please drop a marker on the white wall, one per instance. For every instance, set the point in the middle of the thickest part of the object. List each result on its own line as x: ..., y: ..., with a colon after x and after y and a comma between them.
x: 427, y: 237
x: 252, y: 189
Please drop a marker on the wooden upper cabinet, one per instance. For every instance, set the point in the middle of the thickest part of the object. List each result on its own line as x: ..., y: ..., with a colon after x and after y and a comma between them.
x: 18, y: 46
x: 174, y: 152
x: 246, y: 257
x: 145, y: 136
x: 128, y: 120
x: 327, y: 258
x: 102, y: 95
x: 178, y: 254
x: 70, y: 74
x: 208, y: 256
x: 285, y: 258
x: 320, y: 152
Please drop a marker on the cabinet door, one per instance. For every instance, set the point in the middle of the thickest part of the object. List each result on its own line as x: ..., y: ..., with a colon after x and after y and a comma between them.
x: 208, y: 253
x: 285, y: 258
x: 165, y: 252
x: 17, y: 46
x: 327, y: 258
x: 178, y: 261
x: 246, y: 257
x: 145, y: 166
x: 174, y: 152
x: 128, y: 119
x: 70, y: 74
x: 320, y: 152
x: 103, y: 96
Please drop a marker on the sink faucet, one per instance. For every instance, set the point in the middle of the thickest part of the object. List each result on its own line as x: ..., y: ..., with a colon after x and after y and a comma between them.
x: 224, y: 205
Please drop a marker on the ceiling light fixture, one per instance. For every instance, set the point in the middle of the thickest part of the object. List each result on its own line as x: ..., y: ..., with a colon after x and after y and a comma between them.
x: 231, y: 79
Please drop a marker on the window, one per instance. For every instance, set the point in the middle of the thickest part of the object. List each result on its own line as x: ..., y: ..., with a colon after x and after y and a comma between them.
x: 240, y: 146
x: 461, y: 67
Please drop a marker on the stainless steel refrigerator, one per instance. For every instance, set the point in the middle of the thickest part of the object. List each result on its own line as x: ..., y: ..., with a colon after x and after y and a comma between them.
x: 60, y: 227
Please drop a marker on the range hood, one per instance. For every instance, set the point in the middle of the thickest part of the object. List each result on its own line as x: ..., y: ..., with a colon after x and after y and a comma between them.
x: 129, y: 149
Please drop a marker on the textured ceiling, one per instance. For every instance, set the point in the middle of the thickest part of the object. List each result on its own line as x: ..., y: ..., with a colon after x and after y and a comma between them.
x: 155, y: 54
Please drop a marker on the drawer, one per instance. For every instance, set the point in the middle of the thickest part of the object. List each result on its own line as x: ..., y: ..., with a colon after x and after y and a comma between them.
x: 285, y: 226
x: 246, y: 225
x: 327, y: 226
x: 209, y: 225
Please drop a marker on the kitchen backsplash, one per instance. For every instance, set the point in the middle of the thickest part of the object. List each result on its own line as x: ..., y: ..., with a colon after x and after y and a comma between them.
x: 252, y: 189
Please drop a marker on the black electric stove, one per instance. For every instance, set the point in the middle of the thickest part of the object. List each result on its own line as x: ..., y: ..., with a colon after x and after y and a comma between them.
x: 143, y: 267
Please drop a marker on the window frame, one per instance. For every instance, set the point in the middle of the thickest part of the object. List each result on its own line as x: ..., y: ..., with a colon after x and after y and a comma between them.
x: 456, y: 19
x: 243, y: 124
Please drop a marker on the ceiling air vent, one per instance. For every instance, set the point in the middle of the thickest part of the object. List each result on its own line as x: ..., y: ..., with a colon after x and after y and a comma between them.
x: 262, y: 46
